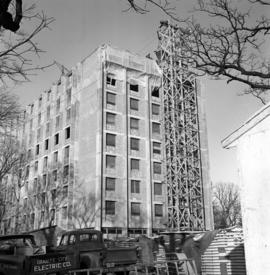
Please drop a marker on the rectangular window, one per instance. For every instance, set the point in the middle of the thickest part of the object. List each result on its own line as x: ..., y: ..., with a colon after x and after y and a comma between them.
x: 110, y: 207
x: 110, y: 80
x: 48, y: 112
x: 157, y: 168
x: 56, y: 139
x: 134, y: 123
x: 155, y: 128
x: 134, y: 87
x: 110, y: 140
x: 111, y: 98
x: 67, y: 133
x: 54, y: 175
x: 134, y: 104
x: 36, y: 166
x: 47, y: 144
x: 57, y: 122
x: 158, y: 210
x: 35, y: 185
x: 37, y: 149
x: 38, y: 133
x: 66, y: 154
x: 68, y: 96
x: 39, y: 118
x: 48, y: 128
x: 68, y: 115
x: 155, y: 91
x: 29, y: 154
x: 44, y: 180
x: 110, y: 184
x: 155, y: 109
x: 135, y: 164
x: 135, y: 186
x: 156, y: 148
x: 66, y: 171
x: 135, y: 144
x: 55, y: 157
x: 45, y: 163
x: 43, y: 198
x: 58, y: 102
x: 27, y: 171
x: 135, y: 209
x: 65, y: 191
x: 110, y: 161
x: 110, y: 118
x: 158, y: 188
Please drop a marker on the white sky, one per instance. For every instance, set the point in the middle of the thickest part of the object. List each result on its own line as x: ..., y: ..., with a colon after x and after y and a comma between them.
x: 81, y: 26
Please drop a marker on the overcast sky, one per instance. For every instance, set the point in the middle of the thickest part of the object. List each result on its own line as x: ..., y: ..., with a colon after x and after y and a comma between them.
x: 81, y: 26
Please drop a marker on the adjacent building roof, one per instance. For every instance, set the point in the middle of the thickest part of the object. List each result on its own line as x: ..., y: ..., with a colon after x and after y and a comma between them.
x: 258, y: 117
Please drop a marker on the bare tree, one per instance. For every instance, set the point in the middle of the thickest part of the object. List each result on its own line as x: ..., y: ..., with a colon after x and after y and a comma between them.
x: 226, y: 205
x: 84, y: 211
x: 231, y: 45
x: 19, y: 50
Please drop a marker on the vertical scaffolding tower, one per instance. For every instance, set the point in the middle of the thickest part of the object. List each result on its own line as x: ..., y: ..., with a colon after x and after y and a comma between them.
x: 186, y: 206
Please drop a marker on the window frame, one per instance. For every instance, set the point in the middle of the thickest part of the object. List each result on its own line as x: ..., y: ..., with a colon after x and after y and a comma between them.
x: 110, y: 210
x: 135, y: 208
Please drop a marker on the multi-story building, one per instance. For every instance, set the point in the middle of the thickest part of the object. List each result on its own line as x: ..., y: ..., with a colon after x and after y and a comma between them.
x: 94, y: 145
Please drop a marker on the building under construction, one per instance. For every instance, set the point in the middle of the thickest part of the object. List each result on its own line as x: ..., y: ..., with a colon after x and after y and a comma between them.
x: 120, y: 145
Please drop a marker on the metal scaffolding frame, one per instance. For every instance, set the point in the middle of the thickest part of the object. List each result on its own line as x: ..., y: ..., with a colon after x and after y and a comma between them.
x: 185, y: 197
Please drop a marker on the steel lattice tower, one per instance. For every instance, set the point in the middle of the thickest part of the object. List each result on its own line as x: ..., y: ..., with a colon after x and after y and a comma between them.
x: 182, y: 134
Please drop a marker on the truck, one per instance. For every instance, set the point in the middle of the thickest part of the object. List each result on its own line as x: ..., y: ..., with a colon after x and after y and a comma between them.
x: 19, y: 255
x: 91, y: 251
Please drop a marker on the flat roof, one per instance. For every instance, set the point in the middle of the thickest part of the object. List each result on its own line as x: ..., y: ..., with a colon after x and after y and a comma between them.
x: 254, y: 120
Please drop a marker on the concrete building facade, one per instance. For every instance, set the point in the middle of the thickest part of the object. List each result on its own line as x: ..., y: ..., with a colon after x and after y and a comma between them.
x: 95, y: 149
x: 251, y: 141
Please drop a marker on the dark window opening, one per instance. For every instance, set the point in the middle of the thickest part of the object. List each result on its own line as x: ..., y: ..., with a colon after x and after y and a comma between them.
x: 37, y: 149
x: 110, y: 80
x: 66, y: 171
x: 110, y: 184
x: 155, y: 109
x: 56, y: 139
x: 135, y: 186
x: 110, y: 118
x: 155, y: 128
x: 135, y: 209
x: 54, y: 174
x: 134, y: 144
x: 158, y: 188
x: 134, y: 123
x: 155, y: 91
x: 157, y: 168
x: 46, y: 144
x: 134, y: 87
x: 156, y: 148
x: 110, y: 207
x: 67, y: 132
x: 135, y: 164
x: 110, y: 140
x: 134, y: 104
x: 111, y: 98
x: 158, y: 210
x: 110, y: 161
